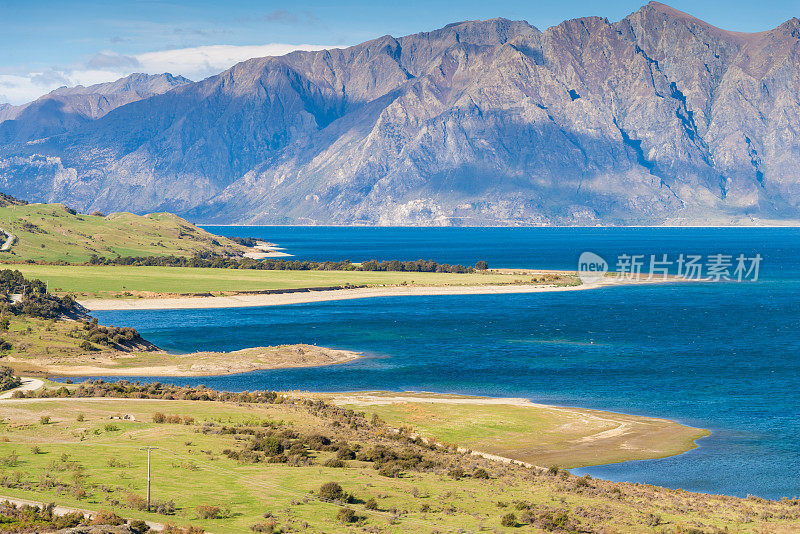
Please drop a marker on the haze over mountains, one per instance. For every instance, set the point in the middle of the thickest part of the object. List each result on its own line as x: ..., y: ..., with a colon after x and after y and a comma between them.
x: 659, y: 118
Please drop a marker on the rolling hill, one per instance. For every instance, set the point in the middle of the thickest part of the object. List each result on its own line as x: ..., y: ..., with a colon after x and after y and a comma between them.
x: 53, y: 232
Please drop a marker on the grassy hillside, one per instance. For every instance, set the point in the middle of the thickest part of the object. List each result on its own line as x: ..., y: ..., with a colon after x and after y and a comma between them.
x: 106, y: 281
x: 52, y: 232
x: 261, y: 466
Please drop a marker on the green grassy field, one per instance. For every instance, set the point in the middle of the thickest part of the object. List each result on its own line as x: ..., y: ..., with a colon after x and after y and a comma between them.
x: 564, y: 437
x: 48, y: 232
x: 81, y: 457
x: 105, y: 281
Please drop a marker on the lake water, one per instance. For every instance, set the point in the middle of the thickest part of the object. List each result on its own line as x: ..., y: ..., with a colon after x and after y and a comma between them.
x: 722, y: 356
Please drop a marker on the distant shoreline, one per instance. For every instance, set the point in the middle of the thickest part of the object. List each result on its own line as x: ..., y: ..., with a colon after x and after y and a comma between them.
x: 282, y: 299
x: 196, y: 364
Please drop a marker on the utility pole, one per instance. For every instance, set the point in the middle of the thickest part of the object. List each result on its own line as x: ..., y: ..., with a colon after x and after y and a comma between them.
x: 148, y: 449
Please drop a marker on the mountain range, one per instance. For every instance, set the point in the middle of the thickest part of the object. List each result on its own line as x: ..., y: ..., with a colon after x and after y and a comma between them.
x: 659, y: 118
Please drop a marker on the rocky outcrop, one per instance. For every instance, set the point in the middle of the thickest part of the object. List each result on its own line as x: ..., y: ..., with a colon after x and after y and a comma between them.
x: 658, y: 118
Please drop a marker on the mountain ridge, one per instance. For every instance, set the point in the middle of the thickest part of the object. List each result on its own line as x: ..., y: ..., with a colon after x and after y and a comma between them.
x: 658, y: 118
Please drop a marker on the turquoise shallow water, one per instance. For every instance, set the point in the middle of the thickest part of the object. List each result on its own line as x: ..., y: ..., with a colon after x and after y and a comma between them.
x: 720, y: 356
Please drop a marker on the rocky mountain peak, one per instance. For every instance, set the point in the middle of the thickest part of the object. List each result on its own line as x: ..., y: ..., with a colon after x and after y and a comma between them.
x: 656, y: 118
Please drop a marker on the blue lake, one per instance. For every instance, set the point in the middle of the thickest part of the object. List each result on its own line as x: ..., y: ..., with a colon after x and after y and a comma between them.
x: 722, y: 356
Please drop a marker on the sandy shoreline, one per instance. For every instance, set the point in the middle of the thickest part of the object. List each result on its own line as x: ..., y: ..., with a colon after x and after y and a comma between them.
x: 207, y: 363
x: 281, y: 299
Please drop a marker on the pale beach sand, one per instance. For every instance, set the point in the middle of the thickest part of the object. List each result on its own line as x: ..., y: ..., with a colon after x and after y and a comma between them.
x: 281, y: 299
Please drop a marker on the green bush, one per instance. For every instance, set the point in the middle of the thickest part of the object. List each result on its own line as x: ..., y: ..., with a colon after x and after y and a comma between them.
x: 480, y: 473
x: 138, y: 526
x: 332, y: 491
x: 7, y: 379
x: 207, y: 511
x: 85, y: 345
x: 107, y: 517
x: 456, y: 473
x: 270, y: 445
x: 346, y: 515
x: 509, y: 520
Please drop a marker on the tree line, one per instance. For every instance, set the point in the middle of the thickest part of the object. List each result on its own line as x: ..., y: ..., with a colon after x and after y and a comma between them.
x: 278, y: 264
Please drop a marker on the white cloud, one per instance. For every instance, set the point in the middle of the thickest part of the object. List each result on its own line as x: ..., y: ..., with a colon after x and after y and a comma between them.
x: 194, y: 63
x: 203, y: 61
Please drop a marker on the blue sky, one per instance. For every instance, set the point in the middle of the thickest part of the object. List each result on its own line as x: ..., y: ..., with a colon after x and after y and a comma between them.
x: 48, y: 43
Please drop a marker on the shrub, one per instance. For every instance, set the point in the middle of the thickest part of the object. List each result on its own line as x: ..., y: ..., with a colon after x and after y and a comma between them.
x: 551, y: 521
x: 172, y: 529
x: 652, y: 520
x: 8, y: 380
x: 107, y: 517
x: 456, y: 473
x: 270, y: 527
x: 111, y: 428
x: 70, y: 520
x: 334, y: 462
x: 526, y: 516
x: 164, y: 507
x: 138, y: 526
x: 207, y: 511
x: 85, y: 345
x: 509, y: 520
x: 346, y: 515
x: 136, y: 502
x: 371, y: 504
x: 332, y: 491
x: 10, y: 460
x: 345, y: 453
x: 270, y: 445
x: 390, y: 470
x: 480, y: 473
x: 159, y: 417
x: 317, y: 442
x: 45, y: 419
